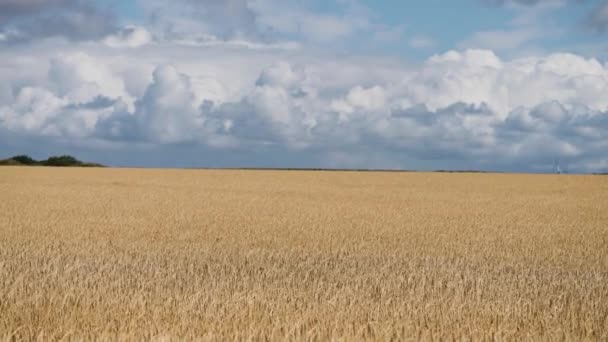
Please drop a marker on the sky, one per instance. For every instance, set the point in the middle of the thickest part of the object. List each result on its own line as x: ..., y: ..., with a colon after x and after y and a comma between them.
x: 503, y: 85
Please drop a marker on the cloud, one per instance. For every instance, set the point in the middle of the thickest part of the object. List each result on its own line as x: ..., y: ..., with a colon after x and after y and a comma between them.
x: 25, y: 20
x: 226, y: 19
x: 168, y: 112
x: 251, y: 82
x: 130, y: 37
x: 12, y: 8
x: 531, y: 25
x: 460, y: 109
x: 258, y: 20
x: 598, y: 18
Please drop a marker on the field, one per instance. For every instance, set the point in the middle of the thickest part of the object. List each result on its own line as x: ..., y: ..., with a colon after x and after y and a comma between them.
x: 224, y: 255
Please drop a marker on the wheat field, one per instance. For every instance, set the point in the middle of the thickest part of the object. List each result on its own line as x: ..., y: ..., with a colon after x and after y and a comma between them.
x: 124, y: 254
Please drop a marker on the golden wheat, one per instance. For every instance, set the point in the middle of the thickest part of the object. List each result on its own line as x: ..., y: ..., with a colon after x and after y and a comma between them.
x: 224, y: 255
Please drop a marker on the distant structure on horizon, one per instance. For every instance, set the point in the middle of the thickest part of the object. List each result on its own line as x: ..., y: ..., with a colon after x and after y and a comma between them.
x: 557, y: 168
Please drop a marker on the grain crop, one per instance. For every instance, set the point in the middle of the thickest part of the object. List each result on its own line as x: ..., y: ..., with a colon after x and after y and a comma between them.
x: 128, y: 254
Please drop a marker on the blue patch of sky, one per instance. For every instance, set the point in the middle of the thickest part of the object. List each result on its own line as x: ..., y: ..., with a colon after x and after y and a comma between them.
x: 575, y: 35
x: 447, y: 23
x: 128, y: 10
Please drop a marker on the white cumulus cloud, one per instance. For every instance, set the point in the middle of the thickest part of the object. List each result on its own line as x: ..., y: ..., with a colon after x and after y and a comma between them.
x: 460, y: 109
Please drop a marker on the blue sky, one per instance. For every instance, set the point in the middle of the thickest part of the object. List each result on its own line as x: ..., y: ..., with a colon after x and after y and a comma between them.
x: 448, y: 24
x: 509, y: 85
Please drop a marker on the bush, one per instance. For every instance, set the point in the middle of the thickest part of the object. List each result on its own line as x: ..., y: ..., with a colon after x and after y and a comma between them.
x: 25, y: 160
x: 62, y: 161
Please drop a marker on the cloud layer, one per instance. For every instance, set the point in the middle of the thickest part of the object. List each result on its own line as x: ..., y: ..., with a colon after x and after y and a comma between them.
x: 251, y: 91
x: 468, y: 108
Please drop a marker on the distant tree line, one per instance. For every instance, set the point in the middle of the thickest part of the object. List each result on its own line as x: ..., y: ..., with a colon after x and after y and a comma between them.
x: 62, y: 161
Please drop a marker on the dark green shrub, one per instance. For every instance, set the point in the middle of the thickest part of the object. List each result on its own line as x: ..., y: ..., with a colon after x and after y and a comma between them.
x: 62, y: 161
x: 25, y: 160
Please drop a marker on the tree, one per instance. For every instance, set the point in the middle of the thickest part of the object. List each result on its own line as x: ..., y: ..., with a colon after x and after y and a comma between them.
x: 25, y: 160
x: 62, y: 161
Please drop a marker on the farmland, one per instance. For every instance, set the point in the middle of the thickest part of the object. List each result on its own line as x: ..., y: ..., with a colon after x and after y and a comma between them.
x: 189, y: 254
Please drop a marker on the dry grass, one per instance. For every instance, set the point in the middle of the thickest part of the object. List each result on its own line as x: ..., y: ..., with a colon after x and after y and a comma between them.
x: 138, y: 254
